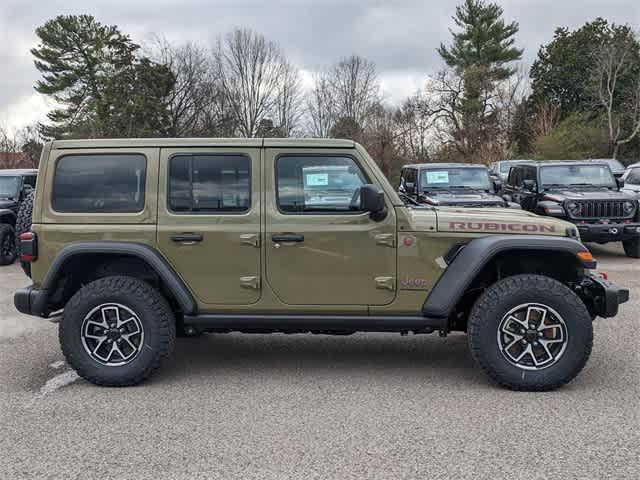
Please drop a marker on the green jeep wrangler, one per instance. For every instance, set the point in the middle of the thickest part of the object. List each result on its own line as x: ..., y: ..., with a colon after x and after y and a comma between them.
x: 134, y: 241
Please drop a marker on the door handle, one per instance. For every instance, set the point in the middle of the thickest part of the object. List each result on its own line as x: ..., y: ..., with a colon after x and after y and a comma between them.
x: 187, y: 238
x: 287, y: 238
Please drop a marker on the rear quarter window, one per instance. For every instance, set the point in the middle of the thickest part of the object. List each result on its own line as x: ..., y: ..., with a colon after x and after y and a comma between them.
x: 99, y: 183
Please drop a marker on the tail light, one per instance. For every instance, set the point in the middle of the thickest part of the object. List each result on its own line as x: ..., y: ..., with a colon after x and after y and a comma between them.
x: 28, y: 247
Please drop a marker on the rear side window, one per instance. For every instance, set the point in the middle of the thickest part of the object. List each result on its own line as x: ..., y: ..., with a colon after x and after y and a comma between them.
x: 209, y: 183
x: 99, y: 183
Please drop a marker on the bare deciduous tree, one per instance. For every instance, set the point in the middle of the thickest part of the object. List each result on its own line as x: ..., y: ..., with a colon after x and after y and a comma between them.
x: 320, y: 106
x: 253, y: 72
x: 288, y: 102
x: 614, y: 65
x: 195, y: 90
x: 355, y: 88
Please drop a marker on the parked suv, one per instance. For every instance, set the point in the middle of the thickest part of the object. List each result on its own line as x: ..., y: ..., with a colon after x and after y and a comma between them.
x: 500, y: 170
x: 15, y: 187
x: 631, y: 179
x: 133, y: 240
x: 584, y: 193
x: 450, y: 184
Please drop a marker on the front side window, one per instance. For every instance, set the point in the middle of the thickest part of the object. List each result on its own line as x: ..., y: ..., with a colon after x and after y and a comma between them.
x: 209, y: 183
x: 577, y: 175
x: 472, y: 178
x: 9, y: 187
x: 318, y: 184
x: 99, y: 183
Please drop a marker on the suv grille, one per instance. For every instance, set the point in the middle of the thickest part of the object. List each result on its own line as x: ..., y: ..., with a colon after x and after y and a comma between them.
x: 600, y: 209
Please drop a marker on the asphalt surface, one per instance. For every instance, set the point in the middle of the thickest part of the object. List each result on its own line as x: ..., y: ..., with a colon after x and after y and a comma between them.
x: 315, y: 407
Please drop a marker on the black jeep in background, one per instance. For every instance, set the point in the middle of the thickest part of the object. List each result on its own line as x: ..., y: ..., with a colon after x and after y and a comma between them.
x: 450, y: 184
x: 16, y: 186
x: 584, y: 193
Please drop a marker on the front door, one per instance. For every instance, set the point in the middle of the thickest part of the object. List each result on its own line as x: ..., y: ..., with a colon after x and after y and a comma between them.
x: 319, y: 248
x: 209, y: 221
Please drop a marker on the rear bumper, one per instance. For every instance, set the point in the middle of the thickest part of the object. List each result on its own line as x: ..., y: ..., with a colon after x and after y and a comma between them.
x: 609, y: 232
x: 607, y: 296
x: 31, y: 301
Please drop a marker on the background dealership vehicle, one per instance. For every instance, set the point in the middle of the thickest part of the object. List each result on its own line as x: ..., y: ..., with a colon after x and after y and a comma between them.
x: 15, y: 187
x: 631, y: 179
x: 450, y: 184
x: 133, y: 240
x: 584, y: 193
x: 616, y: 167
x: 500, y: 170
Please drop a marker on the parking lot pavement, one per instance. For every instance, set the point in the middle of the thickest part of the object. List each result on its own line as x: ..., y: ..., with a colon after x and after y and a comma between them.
x: 303, y: 406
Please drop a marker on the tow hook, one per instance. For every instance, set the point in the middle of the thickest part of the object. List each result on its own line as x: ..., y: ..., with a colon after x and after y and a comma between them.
x: 613, y: 231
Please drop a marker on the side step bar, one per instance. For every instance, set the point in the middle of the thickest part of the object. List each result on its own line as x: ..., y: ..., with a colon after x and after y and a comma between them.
x: 361, y: 323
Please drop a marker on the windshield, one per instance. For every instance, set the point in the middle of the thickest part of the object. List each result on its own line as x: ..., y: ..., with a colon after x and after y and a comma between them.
x: 596, y: 175
x: 476, y: 178
x: 9, y: 186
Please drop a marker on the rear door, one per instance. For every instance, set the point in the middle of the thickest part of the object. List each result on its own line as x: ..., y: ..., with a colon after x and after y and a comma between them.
x: 209, y: 221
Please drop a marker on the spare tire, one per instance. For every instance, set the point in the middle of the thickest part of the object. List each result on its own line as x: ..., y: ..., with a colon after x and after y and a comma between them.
x: 23, y: 221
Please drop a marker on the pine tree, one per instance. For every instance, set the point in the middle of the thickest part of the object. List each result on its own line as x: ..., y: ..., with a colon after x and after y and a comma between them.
x: 90, y: 70
x: 481, y: 52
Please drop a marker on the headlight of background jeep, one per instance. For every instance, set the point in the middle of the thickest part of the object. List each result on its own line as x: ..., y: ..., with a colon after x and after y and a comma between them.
x: 629, y: 207
x: 554, y: 210
x: 573, y: 208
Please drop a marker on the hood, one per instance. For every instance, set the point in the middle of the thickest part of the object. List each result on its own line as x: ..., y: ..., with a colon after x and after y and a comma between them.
x: 586, y: 194
x: 466, y: 198
x: 487, y: 221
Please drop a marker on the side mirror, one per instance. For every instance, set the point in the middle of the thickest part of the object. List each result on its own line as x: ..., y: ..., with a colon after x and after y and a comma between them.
x: 529, y: 185
x: 410, y: 187
x: 497, y: 186
x: 372, y: 199
x: 620, y: 182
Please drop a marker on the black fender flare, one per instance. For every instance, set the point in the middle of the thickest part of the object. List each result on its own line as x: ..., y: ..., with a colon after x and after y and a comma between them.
x: 6, y: 213
x: 144, y: 252
x: 471, y: 259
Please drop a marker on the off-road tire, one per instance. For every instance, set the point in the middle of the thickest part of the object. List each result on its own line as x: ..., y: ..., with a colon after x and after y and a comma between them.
x: 23, y: 220
x: 7, y: 245
x: 509, y: 293
x: 154, y: 313
x: 632, y: 248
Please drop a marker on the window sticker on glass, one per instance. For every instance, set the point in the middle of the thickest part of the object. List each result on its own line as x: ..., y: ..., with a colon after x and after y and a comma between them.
x: 438, y: 177
x: 317, y: 179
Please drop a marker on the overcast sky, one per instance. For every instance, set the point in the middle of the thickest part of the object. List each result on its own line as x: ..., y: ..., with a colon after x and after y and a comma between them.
x: 400, y: 36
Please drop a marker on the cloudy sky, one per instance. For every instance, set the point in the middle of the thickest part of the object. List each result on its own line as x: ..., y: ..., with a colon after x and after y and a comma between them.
x: 400, y: 36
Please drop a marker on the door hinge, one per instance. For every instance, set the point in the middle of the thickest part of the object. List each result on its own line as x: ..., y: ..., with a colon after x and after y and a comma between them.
x: 250, y: 239
x: 250, y: 281
x: 386, y: 283
x: 387, y: 239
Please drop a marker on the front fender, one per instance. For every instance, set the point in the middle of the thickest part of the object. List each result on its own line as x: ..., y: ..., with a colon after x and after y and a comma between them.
x: 470, y: 260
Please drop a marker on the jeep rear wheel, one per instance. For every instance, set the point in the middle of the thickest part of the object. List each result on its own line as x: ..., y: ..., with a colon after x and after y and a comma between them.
x: 116, y: 331
x: 7, y: 245
x: 530, y: 332
x: 632, y: 248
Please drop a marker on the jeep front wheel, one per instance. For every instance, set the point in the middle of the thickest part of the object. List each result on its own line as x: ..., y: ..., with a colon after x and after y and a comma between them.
x: 116, y: 331
x: 632, y: 247
x: 530, y: 332
x: 7, y: 245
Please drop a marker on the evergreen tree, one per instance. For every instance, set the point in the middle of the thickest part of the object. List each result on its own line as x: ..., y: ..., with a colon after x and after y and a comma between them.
x: 91, y: 71
x: 481, y: 52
